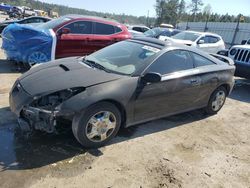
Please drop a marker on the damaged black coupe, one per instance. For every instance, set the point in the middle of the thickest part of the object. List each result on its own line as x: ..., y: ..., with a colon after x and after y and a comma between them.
x: 127, y: 83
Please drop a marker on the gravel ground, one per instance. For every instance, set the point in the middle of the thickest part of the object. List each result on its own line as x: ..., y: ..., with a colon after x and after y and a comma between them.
x: 188, y: 150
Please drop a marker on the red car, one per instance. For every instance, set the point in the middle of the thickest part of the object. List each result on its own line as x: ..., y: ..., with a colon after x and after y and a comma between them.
x: 83, y: 35
x: 71, y: 35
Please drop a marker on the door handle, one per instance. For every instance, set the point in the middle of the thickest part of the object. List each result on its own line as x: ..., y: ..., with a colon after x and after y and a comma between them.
x: 194, y: 82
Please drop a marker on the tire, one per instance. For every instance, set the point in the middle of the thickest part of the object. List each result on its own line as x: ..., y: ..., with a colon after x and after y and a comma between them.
x: 37, y: 57
x: 218, y: 95
x: 100, y: 119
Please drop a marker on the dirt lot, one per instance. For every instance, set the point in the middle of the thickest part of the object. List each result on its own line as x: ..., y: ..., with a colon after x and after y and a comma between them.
x: 188, y: 150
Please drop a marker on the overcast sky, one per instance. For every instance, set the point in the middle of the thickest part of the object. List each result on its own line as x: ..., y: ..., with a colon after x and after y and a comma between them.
x: 141, y: 7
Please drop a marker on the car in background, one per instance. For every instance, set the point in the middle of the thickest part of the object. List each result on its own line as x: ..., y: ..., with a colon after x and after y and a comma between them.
x: 136, y: 34
x: 16, y: 12
x: 29, y: 20
x: 158, y: 31
x: 208, y: 42
x: 241, y: 56
x: 5, y: 7
x: 127, y: 83
x: 170, y: 26
x: 27, y: 11
x: 71, y: 35
x: 138, y: 28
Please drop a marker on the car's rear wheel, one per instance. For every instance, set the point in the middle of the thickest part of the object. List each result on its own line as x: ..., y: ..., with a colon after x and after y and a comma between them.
x: 97, y: 125
x: 37, y: 57
x: 216, y: 100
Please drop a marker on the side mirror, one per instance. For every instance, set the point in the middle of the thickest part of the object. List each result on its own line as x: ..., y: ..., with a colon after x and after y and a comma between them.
x: 65, y: 31
x: 152, y: 77
x: 243, y: 42
x: 201, y: 42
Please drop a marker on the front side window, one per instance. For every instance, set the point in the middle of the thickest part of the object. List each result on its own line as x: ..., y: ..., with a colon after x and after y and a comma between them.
x: 81, y: 27
x: 212, y: 39
x: 104, y: 29
x: 173, y: 61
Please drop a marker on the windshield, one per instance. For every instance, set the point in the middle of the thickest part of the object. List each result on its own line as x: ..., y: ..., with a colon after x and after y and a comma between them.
x: 53, y: 23
x: 153, y: 32
x: 125, y: 57
x: 186, y: 36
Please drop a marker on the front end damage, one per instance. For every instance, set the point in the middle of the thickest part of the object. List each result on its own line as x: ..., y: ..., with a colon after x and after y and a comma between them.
x: 41, y: 112
x: 38, y: 119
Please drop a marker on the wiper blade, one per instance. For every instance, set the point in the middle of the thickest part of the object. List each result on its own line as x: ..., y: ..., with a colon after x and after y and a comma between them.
x: 92, y: 63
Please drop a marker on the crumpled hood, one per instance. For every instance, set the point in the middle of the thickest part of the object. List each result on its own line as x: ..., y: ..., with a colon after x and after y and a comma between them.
x: 63, y: 74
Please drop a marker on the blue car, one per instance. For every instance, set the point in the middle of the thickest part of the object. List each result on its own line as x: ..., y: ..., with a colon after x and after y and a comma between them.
x: 39, y: 43
x: 5, y: 8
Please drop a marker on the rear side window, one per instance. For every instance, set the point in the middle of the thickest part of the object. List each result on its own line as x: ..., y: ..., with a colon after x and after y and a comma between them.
x: 118, y: 29
x: 200, y: 61
x: 139, y: 29
x: 81, y: 27
x: 173, y: 61
x: 104, y: 29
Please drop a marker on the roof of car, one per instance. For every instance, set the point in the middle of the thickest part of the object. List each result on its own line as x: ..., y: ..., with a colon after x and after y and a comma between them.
x: 165, y: 44
x: 75, y: 16
x: 202, y: 33
x: 138, y: 26
x: 157, y: 43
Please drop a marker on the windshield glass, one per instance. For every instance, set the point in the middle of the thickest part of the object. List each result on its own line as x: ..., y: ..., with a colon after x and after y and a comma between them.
x: 153, y: 32
x: 53, y: 23
x: 123, y: 58
x: 186, y: 36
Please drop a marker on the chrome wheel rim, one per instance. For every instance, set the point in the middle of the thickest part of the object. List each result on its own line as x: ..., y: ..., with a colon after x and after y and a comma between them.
x: 219, y: 100
x: 101, y: 126
x: 37, y: 57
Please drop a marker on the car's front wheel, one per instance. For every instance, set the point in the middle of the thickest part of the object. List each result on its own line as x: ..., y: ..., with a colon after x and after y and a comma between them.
x: 216, y: 100
x: 97, y: 125
x: 37, y: 57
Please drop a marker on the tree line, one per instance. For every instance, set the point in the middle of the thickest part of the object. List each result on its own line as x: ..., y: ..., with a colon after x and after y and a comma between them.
x: 175, y: 11
x: 167, y: 11
x: 63, y: 10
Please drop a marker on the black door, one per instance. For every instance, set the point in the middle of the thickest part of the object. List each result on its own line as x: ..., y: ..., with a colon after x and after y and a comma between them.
x: 177, y: 91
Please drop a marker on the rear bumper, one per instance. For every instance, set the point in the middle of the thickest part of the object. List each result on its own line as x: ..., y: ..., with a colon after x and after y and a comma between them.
x: 242, y: 70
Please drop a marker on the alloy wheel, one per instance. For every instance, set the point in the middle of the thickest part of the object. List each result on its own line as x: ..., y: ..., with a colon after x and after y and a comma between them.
x: 101, y: 126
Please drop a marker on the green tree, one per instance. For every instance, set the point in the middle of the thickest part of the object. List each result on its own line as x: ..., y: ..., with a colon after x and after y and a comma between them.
x: 195, y: 7
x: 182, y: 9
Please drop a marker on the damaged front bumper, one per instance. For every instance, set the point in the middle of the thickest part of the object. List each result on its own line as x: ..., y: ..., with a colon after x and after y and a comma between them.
x: 41, y: 116
x: 38, y: 119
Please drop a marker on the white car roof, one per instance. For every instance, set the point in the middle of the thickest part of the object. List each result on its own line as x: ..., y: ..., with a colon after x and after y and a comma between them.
x: 138, y: 26
x: 203, y: 33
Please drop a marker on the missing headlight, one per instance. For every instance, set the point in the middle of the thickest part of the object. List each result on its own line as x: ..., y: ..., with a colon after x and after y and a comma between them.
x: 50, y: 101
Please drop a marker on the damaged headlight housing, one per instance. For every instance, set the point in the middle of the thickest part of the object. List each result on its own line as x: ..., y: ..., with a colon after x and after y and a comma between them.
x: 50, y: 101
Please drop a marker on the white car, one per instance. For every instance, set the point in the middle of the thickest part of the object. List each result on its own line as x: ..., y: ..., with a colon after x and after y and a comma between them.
x: 136, y: 33
x: 28, y: 11
x: 208, y: 42
x: 138, y: 28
